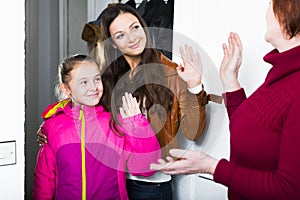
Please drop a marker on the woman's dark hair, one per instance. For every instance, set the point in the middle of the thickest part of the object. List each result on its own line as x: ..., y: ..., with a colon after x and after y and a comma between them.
x: 147, y: 81
x: 288, y: 15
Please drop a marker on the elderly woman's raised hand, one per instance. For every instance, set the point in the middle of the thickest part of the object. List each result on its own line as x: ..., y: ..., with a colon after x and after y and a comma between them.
x: 231, y: 63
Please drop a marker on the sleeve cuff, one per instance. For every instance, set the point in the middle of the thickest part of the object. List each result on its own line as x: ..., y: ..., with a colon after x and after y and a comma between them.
x: 196, y: 90
x: 234, y: 98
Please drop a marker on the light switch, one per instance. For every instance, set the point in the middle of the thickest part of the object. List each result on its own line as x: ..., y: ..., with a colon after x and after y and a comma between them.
x: 7, y: 153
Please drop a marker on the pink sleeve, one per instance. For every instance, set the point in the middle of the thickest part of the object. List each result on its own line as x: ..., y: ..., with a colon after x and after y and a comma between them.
x: 142, y: 145
x: 45, y: 174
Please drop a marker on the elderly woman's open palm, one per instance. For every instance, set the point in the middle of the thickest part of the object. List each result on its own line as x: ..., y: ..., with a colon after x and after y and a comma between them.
x: 231, y: 63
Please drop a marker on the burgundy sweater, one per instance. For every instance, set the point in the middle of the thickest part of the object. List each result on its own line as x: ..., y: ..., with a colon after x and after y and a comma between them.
x: 265, y: 135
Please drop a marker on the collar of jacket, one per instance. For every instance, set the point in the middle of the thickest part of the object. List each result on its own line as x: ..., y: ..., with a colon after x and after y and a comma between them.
x: 65, y: 106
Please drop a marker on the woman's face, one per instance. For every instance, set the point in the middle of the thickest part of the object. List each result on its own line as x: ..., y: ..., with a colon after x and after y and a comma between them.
x: 128, y: 34
x: 273, y: 33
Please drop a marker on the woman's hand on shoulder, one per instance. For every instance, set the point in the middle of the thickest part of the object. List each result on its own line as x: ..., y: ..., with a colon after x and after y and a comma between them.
x: 41, y: 138
x: 191, y: 69
x: 130, y: 107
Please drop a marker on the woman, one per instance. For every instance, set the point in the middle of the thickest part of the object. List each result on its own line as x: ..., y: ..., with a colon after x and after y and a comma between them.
x: 265, y: 129
x: 159, y: 85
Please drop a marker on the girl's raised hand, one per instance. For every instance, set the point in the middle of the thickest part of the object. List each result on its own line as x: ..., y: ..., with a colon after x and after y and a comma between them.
x: 130, y: 107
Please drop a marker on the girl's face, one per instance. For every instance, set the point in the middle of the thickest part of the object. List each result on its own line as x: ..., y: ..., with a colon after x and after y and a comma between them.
x: 128, y: 34
x: 85, y: 86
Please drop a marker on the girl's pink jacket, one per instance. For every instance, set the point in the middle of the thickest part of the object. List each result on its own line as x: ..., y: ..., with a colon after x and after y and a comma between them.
x: 60, y: 172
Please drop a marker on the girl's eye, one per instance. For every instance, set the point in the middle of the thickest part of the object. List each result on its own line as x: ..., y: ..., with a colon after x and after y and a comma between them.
x: 83, y: 83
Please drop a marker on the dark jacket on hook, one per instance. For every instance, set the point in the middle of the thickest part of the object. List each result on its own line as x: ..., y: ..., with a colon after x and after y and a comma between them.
x: 159, y: 15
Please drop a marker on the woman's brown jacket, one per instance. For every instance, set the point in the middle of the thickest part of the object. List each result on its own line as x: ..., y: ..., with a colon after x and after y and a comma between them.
x: 188, y: 113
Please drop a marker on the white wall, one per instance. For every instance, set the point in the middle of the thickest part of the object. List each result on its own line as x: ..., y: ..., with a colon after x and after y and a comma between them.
x: 207, y: 24
x: 12, y: 85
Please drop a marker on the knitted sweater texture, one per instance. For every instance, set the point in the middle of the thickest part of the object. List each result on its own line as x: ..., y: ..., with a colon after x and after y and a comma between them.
x: 265, y: 134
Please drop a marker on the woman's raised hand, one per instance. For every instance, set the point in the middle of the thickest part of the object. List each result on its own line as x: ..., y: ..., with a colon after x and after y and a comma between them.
x: 231, y: 63
x: 191, y: 69
x: 130, y: 107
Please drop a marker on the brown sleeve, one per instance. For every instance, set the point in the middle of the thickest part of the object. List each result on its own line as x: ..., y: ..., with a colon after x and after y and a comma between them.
x: 191, y: 108
x: 192, y: 113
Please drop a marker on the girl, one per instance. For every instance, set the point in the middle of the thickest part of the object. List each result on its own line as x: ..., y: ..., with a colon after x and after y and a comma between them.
x: 87, y: 152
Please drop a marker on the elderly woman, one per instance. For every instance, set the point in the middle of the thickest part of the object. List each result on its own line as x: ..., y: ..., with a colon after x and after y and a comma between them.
x: 265, y: 129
